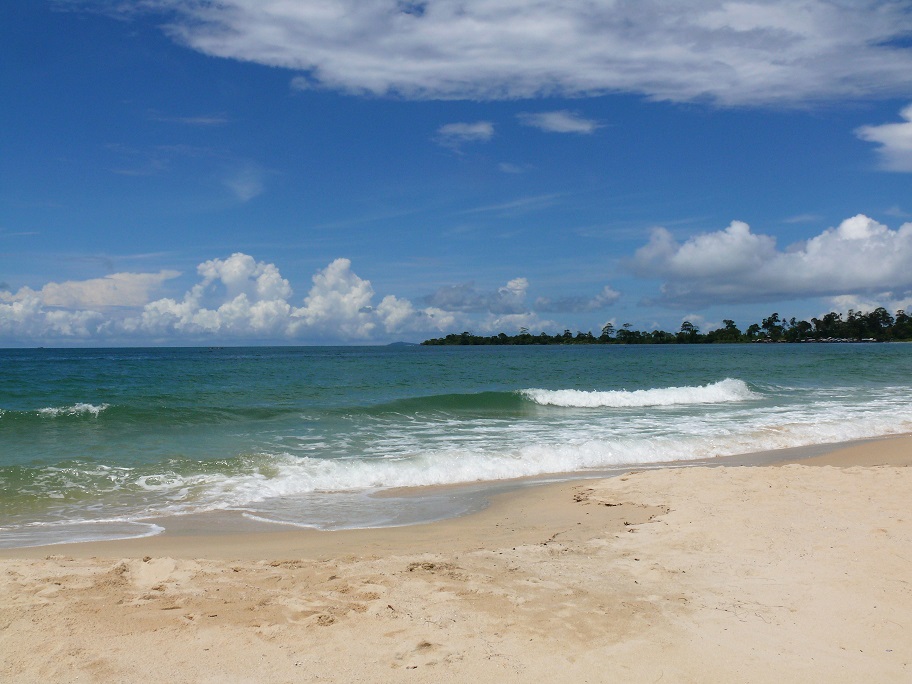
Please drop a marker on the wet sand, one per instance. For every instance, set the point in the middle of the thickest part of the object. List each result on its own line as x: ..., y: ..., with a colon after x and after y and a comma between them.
x: 791, y: 573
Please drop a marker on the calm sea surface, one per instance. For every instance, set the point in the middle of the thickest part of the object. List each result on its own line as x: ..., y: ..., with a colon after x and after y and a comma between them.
x: 95, y: 443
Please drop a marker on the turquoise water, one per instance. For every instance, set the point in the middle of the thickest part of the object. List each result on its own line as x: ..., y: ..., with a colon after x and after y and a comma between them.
x: 95, y: 443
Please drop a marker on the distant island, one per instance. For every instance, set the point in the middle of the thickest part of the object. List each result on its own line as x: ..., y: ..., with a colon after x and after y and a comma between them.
x: 855, y: 326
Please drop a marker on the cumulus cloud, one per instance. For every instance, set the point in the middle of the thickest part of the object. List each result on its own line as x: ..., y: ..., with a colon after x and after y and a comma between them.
x: 562, y: 121
x: 752, y: 52
x: 603, y: 299
x: 242, y: 297
x: 27, y: 318
x: 455, y: 134
x: 895, y: 140
x: 338, y: 302
x: 237, y: 295
x: 74, y: 308
x: 736, y: 265
x: 241, y: 274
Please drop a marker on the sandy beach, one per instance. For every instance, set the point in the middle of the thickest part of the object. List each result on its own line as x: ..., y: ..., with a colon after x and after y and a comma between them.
x: 792, y: 573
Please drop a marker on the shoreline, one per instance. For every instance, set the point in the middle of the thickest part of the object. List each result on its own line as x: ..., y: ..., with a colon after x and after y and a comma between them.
x: 213, y: 530
x: 790, y: 572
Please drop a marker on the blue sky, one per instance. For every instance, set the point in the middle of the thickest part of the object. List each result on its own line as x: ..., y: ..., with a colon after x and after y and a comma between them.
x: 362, y: 172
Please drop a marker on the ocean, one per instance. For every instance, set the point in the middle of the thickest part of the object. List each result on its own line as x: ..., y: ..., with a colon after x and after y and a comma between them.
x: 111, y: 443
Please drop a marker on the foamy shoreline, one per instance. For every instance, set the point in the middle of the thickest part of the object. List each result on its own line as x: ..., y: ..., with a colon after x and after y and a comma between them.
x: 791, y: 573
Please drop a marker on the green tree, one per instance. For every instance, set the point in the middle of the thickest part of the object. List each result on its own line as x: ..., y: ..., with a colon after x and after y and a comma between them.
x: 688, y: 333
x: 879, y: 324
x: 773, y: 326
x: 729, y: 333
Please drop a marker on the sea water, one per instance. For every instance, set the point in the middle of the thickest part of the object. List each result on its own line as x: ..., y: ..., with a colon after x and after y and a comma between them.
x: 108, y: 443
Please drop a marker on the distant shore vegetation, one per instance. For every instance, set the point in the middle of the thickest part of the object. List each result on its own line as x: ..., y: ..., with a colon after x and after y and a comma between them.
x: 876, y: 326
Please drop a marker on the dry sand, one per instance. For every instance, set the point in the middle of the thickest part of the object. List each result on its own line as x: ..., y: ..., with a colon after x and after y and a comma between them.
x: 798, y: 573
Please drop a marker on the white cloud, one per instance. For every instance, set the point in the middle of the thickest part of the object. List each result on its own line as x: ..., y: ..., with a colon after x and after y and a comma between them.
x: 237, y: 296
x: 732, y: 53
x: 395, y: 314
x: 508, y: 167
x: 698, y: 321
x: 302, y: 83
x: 246, y: 182
x: 866, y: 303
x: 242, y: 297
x: 522, y: 205
x: 561, y: 121
x: 200, y: 120
x: 895, y: 140
x: 736, y: 265
x: 803, y: 218
x: 721, y: 255
x: 338, y: 303
x: 465, y: 298
x: 240, y: 273
x: 897, y: 211
x: 605, y: 298
x: 455, y: 134
x: 512, y: 323
x: 117, y: 289
x: 25, y: 317
x: 511, y: 297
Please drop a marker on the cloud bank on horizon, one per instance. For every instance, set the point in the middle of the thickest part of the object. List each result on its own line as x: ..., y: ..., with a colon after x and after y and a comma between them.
x: 238, y: 298
x: 728, y: 53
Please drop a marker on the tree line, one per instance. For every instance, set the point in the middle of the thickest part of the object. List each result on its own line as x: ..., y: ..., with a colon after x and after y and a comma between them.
x: 876, y: 326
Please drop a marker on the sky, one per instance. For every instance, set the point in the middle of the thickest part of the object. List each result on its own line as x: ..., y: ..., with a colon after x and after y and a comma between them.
x: 181, y: 172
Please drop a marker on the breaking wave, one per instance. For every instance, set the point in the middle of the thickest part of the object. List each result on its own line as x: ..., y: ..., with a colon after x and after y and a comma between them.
x: 724, y: 391
x: 74, y: 410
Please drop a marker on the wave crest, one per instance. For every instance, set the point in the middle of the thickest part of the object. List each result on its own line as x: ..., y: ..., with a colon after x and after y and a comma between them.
x: 74, y: 410
x: 724, y: 391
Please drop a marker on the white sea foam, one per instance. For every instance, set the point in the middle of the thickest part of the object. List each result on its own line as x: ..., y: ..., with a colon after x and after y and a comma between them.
x: 293, y: 489
x: 68, y: 532
x: 724, y: 391
x: 726, y: 418
x: 293, y: 475
x: 74, y: 410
